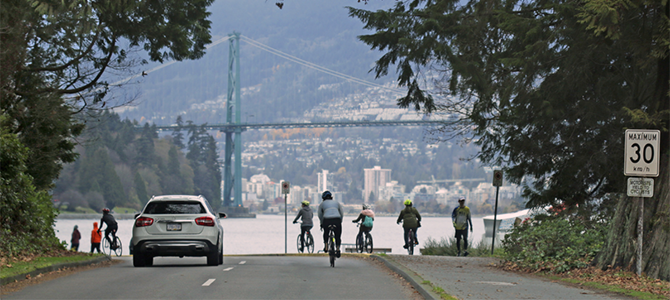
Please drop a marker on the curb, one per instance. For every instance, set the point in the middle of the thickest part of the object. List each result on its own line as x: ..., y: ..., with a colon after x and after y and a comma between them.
x: 411, y: 277
x: 52, y: 268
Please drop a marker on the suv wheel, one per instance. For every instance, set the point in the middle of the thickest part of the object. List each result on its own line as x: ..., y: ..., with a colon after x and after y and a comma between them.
x: 213, y: 258
x: 148, y: 260
x: 138, y: 260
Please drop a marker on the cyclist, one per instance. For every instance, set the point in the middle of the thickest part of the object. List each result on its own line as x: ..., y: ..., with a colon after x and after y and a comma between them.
x: 366, y: 212
x: 331, y: 213
x: 411, y: 219
x: 306, y: 214
x: 112, y: 227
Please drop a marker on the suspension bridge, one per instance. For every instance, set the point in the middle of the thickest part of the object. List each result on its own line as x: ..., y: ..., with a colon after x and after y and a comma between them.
x: 234, y: 127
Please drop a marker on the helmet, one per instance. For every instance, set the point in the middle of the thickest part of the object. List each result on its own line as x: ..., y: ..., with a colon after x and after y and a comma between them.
x: 327, y: 195
x: 105, y: 210
x: 365, y: 206
x: 408, y: 202
x: 305, y: 203
x: 461, y: 199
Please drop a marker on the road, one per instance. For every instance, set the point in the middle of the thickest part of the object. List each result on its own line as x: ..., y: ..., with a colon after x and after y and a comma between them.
x: 240, y: 277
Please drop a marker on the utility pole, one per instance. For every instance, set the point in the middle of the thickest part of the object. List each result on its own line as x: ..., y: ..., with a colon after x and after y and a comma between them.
x: 497, y: 182
x: 285, y: 189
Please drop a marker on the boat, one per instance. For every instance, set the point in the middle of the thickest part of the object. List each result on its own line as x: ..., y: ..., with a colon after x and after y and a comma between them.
x: 237, y: 212
x: 504, y: 222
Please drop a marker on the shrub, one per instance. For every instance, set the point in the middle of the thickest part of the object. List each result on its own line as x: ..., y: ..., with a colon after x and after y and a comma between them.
x: 447, y: 247
x: 555, y: 244
x: 27, y: 215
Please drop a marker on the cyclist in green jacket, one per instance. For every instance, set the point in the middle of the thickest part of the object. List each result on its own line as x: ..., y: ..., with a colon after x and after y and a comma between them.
x: 411, y: 219
x: 461, y: 217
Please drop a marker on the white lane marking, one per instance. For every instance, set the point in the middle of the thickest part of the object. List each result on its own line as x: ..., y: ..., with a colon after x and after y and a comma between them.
x: 243, y: 262
x: 227, y: 269
x: 496, y: 283
x: 208, y: 282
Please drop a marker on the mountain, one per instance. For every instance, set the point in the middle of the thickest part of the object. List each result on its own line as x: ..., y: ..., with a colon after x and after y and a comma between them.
x: 273, y: 88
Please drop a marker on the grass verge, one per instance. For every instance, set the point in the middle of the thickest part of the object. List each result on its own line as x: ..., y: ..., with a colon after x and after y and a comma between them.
x: 438, y: 290
x: 13, y: 268
x: 447, y: 247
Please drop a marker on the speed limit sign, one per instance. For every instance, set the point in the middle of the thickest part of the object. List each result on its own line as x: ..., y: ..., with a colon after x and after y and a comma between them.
x: 642, y: 152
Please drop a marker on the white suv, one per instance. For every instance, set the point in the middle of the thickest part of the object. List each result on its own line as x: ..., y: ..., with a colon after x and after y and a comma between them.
x: 177, y: 225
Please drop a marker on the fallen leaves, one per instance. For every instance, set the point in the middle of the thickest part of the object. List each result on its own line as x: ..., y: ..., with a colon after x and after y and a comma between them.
x: 610, y: 277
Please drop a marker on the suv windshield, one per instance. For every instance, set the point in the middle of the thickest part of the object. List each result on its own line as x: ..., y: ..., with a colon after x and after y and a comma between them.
x: 174, y: 207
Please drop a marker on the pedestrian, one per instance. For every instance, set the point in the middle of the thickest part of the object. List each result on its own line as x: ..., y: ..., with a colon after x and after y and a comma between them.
x: 76, y: 236
x: 461, y: 218
x: 96, y: 237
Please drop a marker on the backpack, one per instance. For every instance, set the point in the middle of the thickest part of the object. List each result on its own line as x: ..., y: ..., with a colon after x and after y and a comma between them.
x: 368, y: 222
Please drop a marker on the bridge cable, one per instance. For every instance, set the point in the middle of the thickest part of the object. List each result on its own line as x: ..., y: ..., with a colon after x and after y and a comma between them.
x: 315, y: 66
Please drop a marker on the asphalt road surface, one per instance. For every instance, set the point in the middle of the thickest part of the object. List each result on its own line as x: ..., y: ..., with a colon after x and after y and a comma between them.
x: 240, y: 277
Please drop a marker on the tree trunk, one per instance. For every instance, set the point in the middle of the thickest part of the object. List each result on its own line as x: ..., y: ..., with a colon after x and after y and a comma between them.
x: 621, y: 247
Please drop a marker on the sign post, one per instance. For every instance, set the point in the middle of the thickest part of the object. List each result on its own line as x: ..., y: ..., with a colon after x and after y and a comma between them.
x: 641, y: 159
x: 497, y: 182
x: 285, y: 189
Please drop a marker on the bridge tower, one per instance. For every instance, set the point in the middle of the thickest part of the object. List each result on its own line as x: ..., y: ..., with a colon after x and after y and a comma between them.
x: 230, y: 182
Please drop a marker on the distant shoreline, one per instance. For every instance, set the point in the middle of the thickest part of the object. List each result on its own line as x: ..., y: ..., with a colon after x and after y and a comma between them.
x: 132, y: 216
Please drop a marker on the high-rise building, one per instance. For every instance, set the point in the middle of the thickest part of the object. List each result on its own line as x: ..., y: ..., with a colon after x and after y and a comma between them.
x: 375, y: 178
x: 322, y: 181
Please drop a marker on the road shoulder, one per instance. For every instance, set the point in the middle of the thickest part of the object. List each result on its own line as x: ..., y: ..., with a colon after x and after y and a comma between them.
x: 479, y: 278
x: 18, y: 282
x: 410, y: 276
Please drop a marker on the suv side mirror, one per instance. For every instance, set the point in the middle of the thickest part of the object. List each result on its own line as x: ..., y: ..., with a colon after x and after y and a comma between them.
x: 137, y: 215
x: 222, y: 215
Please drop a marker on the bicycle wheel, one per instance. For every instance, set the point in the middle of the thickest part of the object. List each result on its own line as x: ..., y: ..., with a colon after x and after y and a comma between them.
x: 331, y: 250
x: 410, y: 248
x: 119, y: 248
x: 309, y: 243
x: 106, y: 249
x: 368, y: 243
x: 298, y: 244
x: 359, y: 243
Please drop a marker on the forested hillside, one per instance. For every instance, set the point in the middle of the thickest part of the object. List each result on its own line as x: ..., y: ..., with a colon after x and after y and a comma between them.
x: 120, y: 166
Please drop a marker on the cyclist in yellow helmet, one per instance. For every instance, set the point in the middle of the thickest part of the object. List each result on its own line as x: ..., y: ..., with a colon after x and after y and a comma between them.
x: 411, y: 219
x: 306, y: 214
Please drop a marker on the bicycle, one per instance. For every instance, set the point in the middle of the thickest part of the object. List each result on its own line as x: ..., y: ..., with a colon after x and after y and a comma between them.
x: 309, y: 242
x: 115, y: 248
x: 331, y: 245
x: 363, y: 243
x: 410, y: 240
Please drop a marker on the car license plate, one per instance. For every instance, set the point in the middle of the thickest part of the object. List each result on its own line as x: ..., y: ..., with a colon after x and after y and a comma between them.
x: 173, y: 226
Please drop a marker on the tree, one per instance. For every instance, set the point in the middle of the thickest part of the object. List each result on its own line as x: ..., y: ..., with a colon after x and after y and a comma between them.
x: 26, y: 211
x: 141, y: 189
x: 546, y: 88
x: 172, y: 181
x: 54, y: 54
x: 177, y: 135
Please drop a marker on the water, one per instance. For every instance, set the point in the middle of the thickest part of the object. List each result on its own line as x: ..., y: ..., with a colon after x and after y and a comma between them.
x: 265, y: 233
